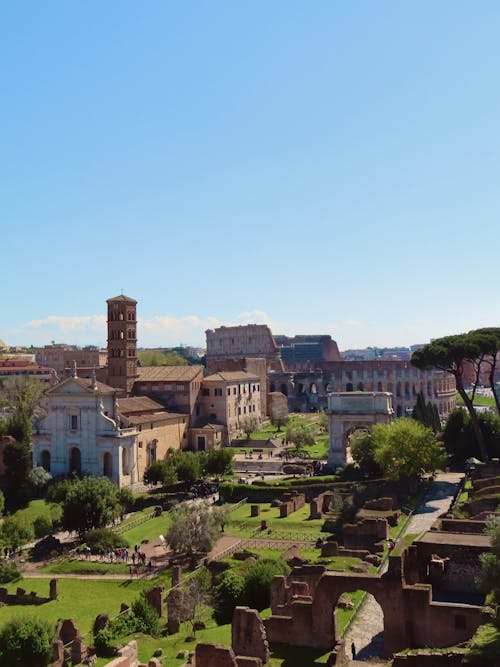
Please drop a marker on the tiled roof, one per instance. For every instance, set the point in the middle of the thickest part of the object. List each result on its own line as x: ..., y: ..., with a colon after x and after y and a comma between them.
x: 138, y: 404
x: 168, y: 373
x: 231, y: 376
x: 122, y: 297
x: 158, y: 417
x: 86, y: 383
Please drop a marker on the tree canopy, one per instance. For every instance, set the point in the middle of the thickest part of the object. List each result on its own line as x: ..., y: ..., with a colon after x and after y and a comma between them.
x: 404, y: 448
x: 451, y: 353
x: 26, y: 641
x: 90, y: 503
x: 192, y: 528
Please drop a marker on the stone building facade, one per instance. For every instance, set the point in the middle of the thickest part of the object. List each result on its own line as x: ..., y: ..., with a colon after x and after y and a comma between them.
x: 249, y: 340
x: 90, y: 430
x: 61, y: 358
x: 230, y: 398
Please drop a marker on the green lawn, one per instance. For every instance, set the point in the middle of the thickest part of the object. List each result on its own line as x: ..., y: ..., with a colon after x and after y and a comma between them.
x: 149, y: 530
x: 479, y: 400
x: 296, y: 524
x: 39, y: 508
x: 79, y: 599
x: 77, y: 566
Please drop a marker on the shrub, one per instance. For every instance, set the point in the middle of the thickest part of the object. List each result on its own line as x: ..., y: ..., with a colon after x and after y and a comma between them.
x: 103, y: 643
x: 104, y: 540
x: 258, y: 578
x: 26, y: 641
x: 227, y: 595
x: 56, y: 493
x: 150, y: 621
x: 9, y: 572
x: 42, y: 526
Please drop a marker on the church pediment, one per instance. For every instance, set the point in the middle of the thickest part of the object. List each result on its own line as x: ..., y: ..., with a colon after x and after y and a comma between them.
x: 71, y: 386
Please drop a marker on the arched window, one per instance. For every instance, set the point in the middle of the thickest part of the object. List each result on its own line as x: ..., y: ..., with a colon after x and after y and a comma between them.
x: 107, y: 465
x: 75, y: 461
x: 45, y: 460
x: 125, y: 461
x: 349, y: 387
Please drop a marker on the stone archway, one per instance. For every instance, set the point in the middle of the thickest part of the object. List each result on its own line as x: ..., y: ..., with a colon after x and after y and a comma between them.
x: 350, y: 410
x: 75, y: 461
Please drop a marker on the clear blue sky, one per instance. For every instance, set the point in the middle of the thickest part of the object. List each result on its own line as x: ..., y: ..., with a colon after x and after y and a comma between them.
x: 327, y: 167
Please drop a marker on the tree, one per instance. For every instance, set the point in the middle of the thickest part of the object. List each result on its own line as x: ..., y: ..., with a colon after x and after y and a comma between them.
x: 219, y: 462
x: 15, y: 532
x: 363, y: 452
x: 278, y: 414
x: 221, y: 516
x: 125, y: 498
x: 449, y: 354
x: 39, y: 478
x: 249, y: 425
x: 300, y: 436
x: 406, y: 448
x: 196, y: 596
x: 258, y: 578
x: 489, y: 579
x: 23, y: 395
x: 488, y: 341
x: 192, y: 528
x: 187, y: 467
x: 90, y: 503
x: 426, y: 413
x: 228, y: 594
x: 458, y: 436
x: 26, y: 641
x: 160, y: 472
x: 17, y: 460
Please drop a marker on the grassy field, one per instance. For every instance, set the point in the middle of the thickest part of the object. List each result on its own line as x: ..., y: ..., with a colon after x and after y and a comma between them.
x: 77, y: 566
x: 148, y: 530
x: 297, y: 523
x: 39, y: 508
x: 479, y: 400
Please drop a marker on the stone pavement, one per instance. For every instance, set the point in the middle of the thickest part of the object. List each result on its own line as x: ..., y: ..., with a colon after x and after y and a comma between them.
x: 367, y: 630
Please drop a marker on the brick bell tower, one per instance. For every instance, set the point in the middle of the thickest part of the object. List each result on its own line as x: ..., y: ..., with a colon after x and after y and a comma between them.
x: 122, y: 343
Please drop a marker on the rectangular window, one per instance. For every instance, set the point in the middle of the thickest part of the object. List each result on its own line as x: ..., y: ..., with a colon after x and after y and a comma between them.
x: 229, y: 391
x: 217, y: 391
x: 206, y: 392
x: 74, y: 422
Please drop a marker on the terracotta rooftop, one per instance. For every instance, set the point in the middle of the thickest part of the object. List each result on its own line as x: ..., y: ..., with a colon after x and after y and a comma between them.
x: 158, y: 417
x: 139, y: 404
x: 231, y: 376
x: 86, y: 383
x: 122, y: 297
x: 168, y: 373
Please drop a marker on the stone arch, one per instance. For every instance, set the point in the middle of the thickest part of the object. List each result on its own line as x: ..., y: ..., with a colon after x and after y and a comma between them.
x: 45, y: 460
x: 349, y: 386
x: 75, y: 460
x: 107, y: 465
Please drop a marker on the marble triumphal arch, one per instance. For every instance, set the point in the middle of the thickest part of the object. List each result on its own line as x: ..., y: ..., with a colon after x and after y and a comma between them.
x: 350, y: 410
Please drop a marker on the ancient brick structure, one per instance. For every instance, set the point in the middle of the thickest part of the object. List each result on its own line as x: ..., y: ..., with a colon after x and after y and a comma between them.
x: 291, y: 502
x: 381, y: 504
x: 411, y: 618
x: 155, y: 599
x: 254, y: 510
x: 122, y: 342
x: 365, y: 534
x: 320, y: 505
x: 248, y: 637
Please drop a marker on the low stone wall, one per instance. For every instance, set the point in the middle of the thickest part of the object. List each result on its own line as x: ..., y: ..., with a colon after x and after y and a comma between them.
x: 461, y: 526
x: 365, y: 534
x: 426, y: 658
x: 321, y: 504
x: 22, y: 598
x: 486, y: 483
x: 381, y: 504
x: 291, y: 502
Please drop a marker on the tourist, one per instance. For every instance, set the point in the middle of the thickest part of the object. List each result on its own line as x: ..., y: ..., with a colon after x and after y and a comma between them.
x: 353, y: 651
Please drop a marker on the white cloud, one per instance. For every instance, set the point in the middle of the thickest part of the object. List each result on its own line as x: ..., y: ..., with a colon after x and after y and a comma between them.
x: 160, y: 330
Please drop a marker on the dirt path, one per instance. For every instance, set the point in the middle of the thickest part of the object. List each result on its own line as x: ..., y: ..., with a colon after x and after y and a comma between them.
x: 367, y: 630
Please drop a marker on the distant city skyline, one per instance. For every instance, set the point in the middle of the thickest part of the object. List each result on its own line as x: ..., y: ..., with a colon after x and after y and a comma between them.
x: 329, y: 168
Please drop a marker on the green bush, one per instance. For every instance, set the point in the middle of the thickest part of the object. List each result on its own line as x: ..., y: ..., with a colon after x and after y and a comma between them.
x: 42, y: 526
x: 150, y: 621
x: 104, y: 540
x: 228, y: 594
x: 104, y: 643
x: 9, y: 572
x: 26, y: 641
x: 258, y: 578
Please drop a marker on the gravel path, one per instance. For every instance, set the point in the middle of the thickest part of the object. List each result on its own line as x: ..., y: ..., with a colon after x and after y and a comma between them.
x: 367, y: 630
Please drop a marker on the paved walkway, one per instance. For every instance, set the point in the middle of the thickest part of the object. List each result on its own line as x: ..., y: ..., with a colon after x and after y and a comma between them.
x: 367, y: 630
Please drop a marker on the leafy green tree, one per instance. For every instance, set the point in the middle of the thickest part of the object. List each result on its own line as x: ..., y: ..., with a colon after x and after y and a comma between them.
x: 406, y: 448
x: 160, y: 472
x: 228, y: 594
x: 15, y: 532
x: 90, y: 503
x: 488, y: 341
x: 258, y: 578
x: 56, y: 493
x: 160, y: 358
x: 26, y: 641
x: 23, y: 395
x: 363, y: 452
x: 125, y: 498
x: 278, y: 415
x: 458, y: 435
x: 221, y: 515
x: 192, y: 529
x: 219, y: 462
x: 300, y: 436
x: 426, y: 413
x: 17, y: 460
x: 148, y: 616
x: 2, y: 502
x: 20, y: 428
x: 187, y: 467
x: 450, y: 354
x: 39, y: 478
